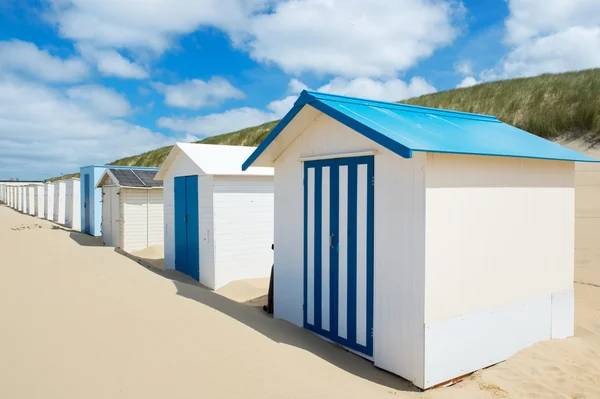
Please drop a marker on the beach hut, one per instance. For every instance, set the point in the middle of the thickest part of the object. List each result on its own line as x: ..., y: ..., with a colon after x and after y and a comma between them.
x: 40, y: 208
x: 3, y: 193
x: 21, y: 199
x: 31, y: 199
x: 60, y: 191
x: 49, y: 201
x: 132, y: 209
x: 218, y: 219
x: 91, y: 196
x: 432, y: 242
x: 72, y: 204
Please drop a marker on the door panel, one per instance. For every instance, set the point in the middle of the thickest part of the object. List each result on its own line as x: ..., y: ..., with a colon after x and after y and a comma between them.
x: 187, y: 252
x: 86, y: 203
x: 339, y: 250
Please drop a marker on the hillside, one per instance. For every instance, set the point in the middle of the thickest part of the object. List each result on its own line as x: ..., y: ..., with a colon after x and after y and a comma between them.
x: 552, y: 106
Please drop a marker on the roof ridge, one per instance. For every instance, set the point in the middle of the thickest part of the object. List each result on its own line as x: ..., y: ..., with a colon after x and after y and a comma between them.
x: 404, y: 107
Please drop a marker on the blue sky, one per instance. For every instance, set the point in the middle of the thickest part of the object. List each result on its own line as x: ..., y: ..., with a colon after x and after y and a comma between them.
x: 90, y: 81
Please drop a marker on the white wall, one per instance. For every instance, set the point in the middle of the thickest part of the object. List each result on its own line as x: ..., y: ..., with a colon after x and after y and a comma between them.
x: 135, y: 218
x: 206, y: 231
x: 156, y: 223
x: 501, y: 222
x: 243, y: 228
x: 499, y: 259
x: 182, y: 166
x: 399, y: 242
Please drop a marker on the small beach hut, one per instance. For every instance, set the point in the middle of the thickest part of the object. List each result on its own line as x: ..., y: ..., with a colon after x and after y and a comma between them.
x: 60, y: 188
x: 3, y: 193
x: 432, y: 242
x: 72, y: 204
x: 31, y: 199
x: 218, y: 219
x: 132, y: 209
x: 49, y: 201
x: 40, y: 207
x: 21, y: 199
x: 91, y: 196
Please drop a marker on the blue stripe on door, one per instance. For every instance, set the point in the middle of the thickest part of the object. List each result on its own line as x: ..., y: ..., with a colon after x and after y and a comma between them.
x: 316, y: 256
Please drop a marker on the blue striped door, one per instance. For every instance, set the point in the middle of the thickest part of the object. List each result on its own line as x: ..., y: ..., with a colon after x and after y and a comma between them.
x: 187, y: 244
x: 338, y: 250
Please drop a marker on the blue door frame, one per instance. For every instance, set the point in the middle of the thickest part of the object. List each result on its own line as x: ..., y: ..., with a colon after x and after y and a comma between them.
x: 350, y: 340
x: 187, y: 243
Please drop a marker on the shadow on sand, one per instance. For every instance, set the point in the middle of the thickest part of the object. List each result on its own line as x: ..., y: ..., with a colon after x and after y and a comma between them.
x: 277, y: 330
x: 83, y: 239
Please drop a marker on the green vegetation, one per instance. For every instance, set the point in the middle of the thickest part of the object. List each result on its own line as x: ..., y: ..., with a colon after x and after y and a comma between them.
x: 64, y: 177
x: 565, y: 105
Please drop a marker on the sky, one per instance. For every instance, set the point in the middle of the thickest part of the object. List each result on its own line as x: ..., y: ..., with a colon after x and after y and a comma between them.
x: 91, y: 81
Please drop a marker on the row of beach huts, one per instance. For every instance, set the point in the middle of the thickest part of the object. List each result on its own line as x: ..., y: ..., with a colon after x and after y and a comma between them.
x: 431, y: 242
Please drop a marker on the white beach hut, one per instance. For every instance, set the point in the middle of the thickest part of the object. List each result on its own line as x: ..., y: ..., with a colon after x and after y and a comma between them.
x: 218, y: 219
x: 31, y: 199
x: 60, y: 191
x: 40, y: 207
x: 73, y: 204
x: 132, y: 209
x: 49, y: 201
x: 432, y: 242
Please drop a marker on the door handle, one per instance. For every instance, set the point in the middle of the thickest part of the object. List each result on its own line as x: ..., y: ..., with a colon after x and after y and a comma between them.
x: 331, y: 241
x: 185, y: 218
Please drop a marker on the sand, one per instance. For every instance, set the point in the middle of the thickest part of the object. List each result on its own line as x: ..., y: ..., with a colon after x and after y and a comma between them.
x: 80, y: 320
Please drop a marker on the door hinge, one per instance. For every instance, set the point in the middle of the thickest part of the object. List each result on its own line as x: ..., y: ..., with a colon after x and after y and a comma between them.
x: 373, y: 180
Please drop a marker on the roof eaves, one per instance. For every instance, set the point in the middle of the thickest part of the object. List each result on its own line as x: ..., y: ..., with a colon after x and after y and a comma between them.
x: 366, y: 131
x: 298, y: 105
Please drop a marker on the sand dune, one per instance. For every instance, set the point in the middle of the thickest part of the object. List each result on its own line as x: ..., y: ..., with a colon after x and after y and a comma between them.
x: 83, y: 321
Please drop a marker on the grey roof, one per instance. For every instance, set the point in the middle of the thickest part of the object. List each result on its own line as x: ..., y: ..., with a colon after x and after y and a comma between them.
x: 136, y: 177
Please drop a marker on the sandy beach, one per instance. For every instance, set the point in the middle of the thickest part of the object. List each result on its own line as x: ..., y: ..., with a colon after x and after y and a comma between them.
x: 83, y: 321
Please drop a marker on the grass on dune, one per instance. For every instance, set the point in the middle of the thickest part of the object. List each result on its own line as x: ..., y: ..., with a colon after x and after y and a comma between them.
x: 552, y: 106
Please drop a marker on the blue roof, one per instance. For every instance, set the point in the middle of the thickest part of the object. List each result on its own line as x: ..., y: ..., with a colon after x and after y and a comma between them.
x: 406, y: 128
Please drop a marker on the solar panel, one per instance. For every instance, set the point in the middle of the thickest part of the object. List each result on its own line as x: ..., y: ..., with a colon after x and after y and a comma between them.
x: 147, y: 176
x: 136, y: 177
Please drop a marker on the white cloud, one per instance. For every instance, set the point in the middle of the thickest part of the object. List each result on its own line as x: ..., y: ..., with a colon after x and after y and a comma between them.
x: 99, y: 100
x: 383, y: 90
x: 295, y: 86
x: 44, y: 132
x: 26, y: 58
x: 196, y: 93
x: 464, y: 67
x: 468, y: 82
x: 552, y: 36
x: 338, y: 37
x: 347, y: 38
x: 213, y: 124
x: 568, y: 50
x: 529, y: 19
x: 111, y: 63
x: 239, y: 118
x: 143, y: 24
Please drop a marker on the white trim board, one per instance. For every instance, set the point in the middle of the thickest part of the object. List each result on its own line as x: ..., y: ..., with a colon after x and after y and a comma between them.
x: 463, y: 344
